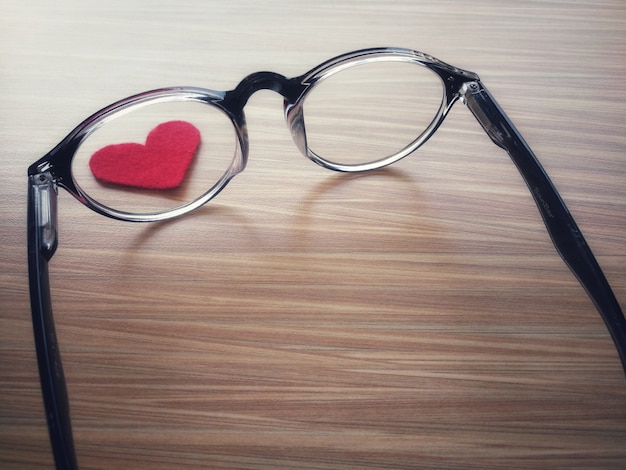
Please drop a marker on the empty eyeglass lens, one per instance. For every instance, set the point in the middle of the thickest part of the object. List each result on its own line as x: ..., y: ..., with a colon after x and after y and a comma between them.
x: 156, y: 157
x: 371, y: 111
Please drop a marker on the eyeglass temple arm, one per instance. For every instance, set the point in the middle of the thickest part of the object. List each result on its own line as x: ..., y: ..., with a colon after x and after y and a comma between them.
x: 565, y: 234
x: 42, y: 243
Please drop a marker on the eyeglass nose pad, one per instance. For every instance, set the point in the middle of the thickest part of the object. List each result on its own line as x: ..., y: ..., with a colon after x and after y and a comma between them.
x: 295, y: 121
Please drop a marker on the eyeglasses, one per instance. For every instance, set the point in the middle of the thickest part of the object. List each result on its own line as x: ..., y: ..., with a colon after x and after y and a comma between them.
x: 163, y: 153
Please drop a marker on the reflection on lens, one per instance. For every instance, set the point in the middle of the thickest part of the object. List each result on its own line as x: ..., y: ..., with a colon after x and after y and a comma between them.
x: 371, y: 111
x: 156, y: 157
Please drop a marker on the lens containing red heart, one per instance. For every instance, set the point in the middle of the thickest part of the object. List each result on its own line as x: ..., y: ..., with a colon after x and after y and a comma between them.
x: 156, y: 158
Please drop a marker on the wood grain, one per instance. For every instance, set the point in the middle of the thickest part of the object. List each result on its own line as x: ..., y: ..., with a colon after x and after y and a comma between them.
x: 416, y: 317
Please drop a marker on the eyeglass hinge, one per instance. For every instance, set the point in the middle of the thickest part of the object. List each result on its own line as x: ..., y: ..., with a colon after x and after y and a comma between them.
x: 44, y: 192
x: 487, y: 112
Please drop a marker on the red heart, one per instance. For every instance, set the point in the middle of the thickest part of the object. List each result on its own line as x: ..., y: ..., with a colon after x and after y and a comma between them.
x: 159, y: 164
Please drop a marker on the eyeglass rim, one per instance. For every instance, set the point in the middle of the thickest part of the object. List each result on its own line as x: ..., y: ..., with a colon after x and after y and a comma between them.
x: 61, y: 158
x: 295, y: 91
x: 451, y: 79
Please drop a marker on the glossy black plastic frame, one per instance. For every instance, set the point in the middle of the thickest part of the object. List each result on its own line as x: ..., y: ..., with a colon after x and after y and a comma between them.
x: 54, y: 170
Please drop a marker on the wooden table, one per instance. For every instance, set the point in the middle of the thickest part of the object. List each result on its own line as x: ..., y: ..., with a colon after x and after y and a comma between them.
x: 416, y: 317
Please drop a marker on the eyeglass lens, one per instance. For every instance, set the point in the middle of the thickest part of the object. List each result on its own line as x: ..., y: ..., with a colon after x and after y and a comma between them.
x: 130, y: 162
x: 368, y: 112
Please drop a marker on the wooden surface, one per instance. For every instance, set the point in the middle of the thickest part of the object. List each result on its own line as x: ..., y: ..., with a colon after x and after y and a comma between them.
x: 416, y: 317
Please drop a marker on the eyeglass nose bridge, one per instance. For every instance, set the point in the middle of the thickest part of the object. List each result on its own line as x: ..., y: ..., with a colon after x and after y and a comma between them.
x: 288, y: 88
x: 291, y: 89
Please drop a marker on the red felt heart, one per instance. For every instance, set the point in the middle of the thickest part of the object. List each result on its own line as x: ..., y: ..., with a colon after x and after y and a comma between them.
x: 159, y: 164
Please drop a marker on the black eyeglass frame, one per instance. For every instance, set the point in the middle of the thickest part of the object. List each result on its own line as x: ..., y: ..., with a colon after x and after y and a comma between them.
x: 54, y: 170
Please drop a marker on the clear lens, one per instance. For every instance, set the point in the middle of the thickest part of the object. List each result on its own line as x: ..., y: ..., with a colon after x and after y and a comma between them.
x: 370, y: 111
x: 150, y: 159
